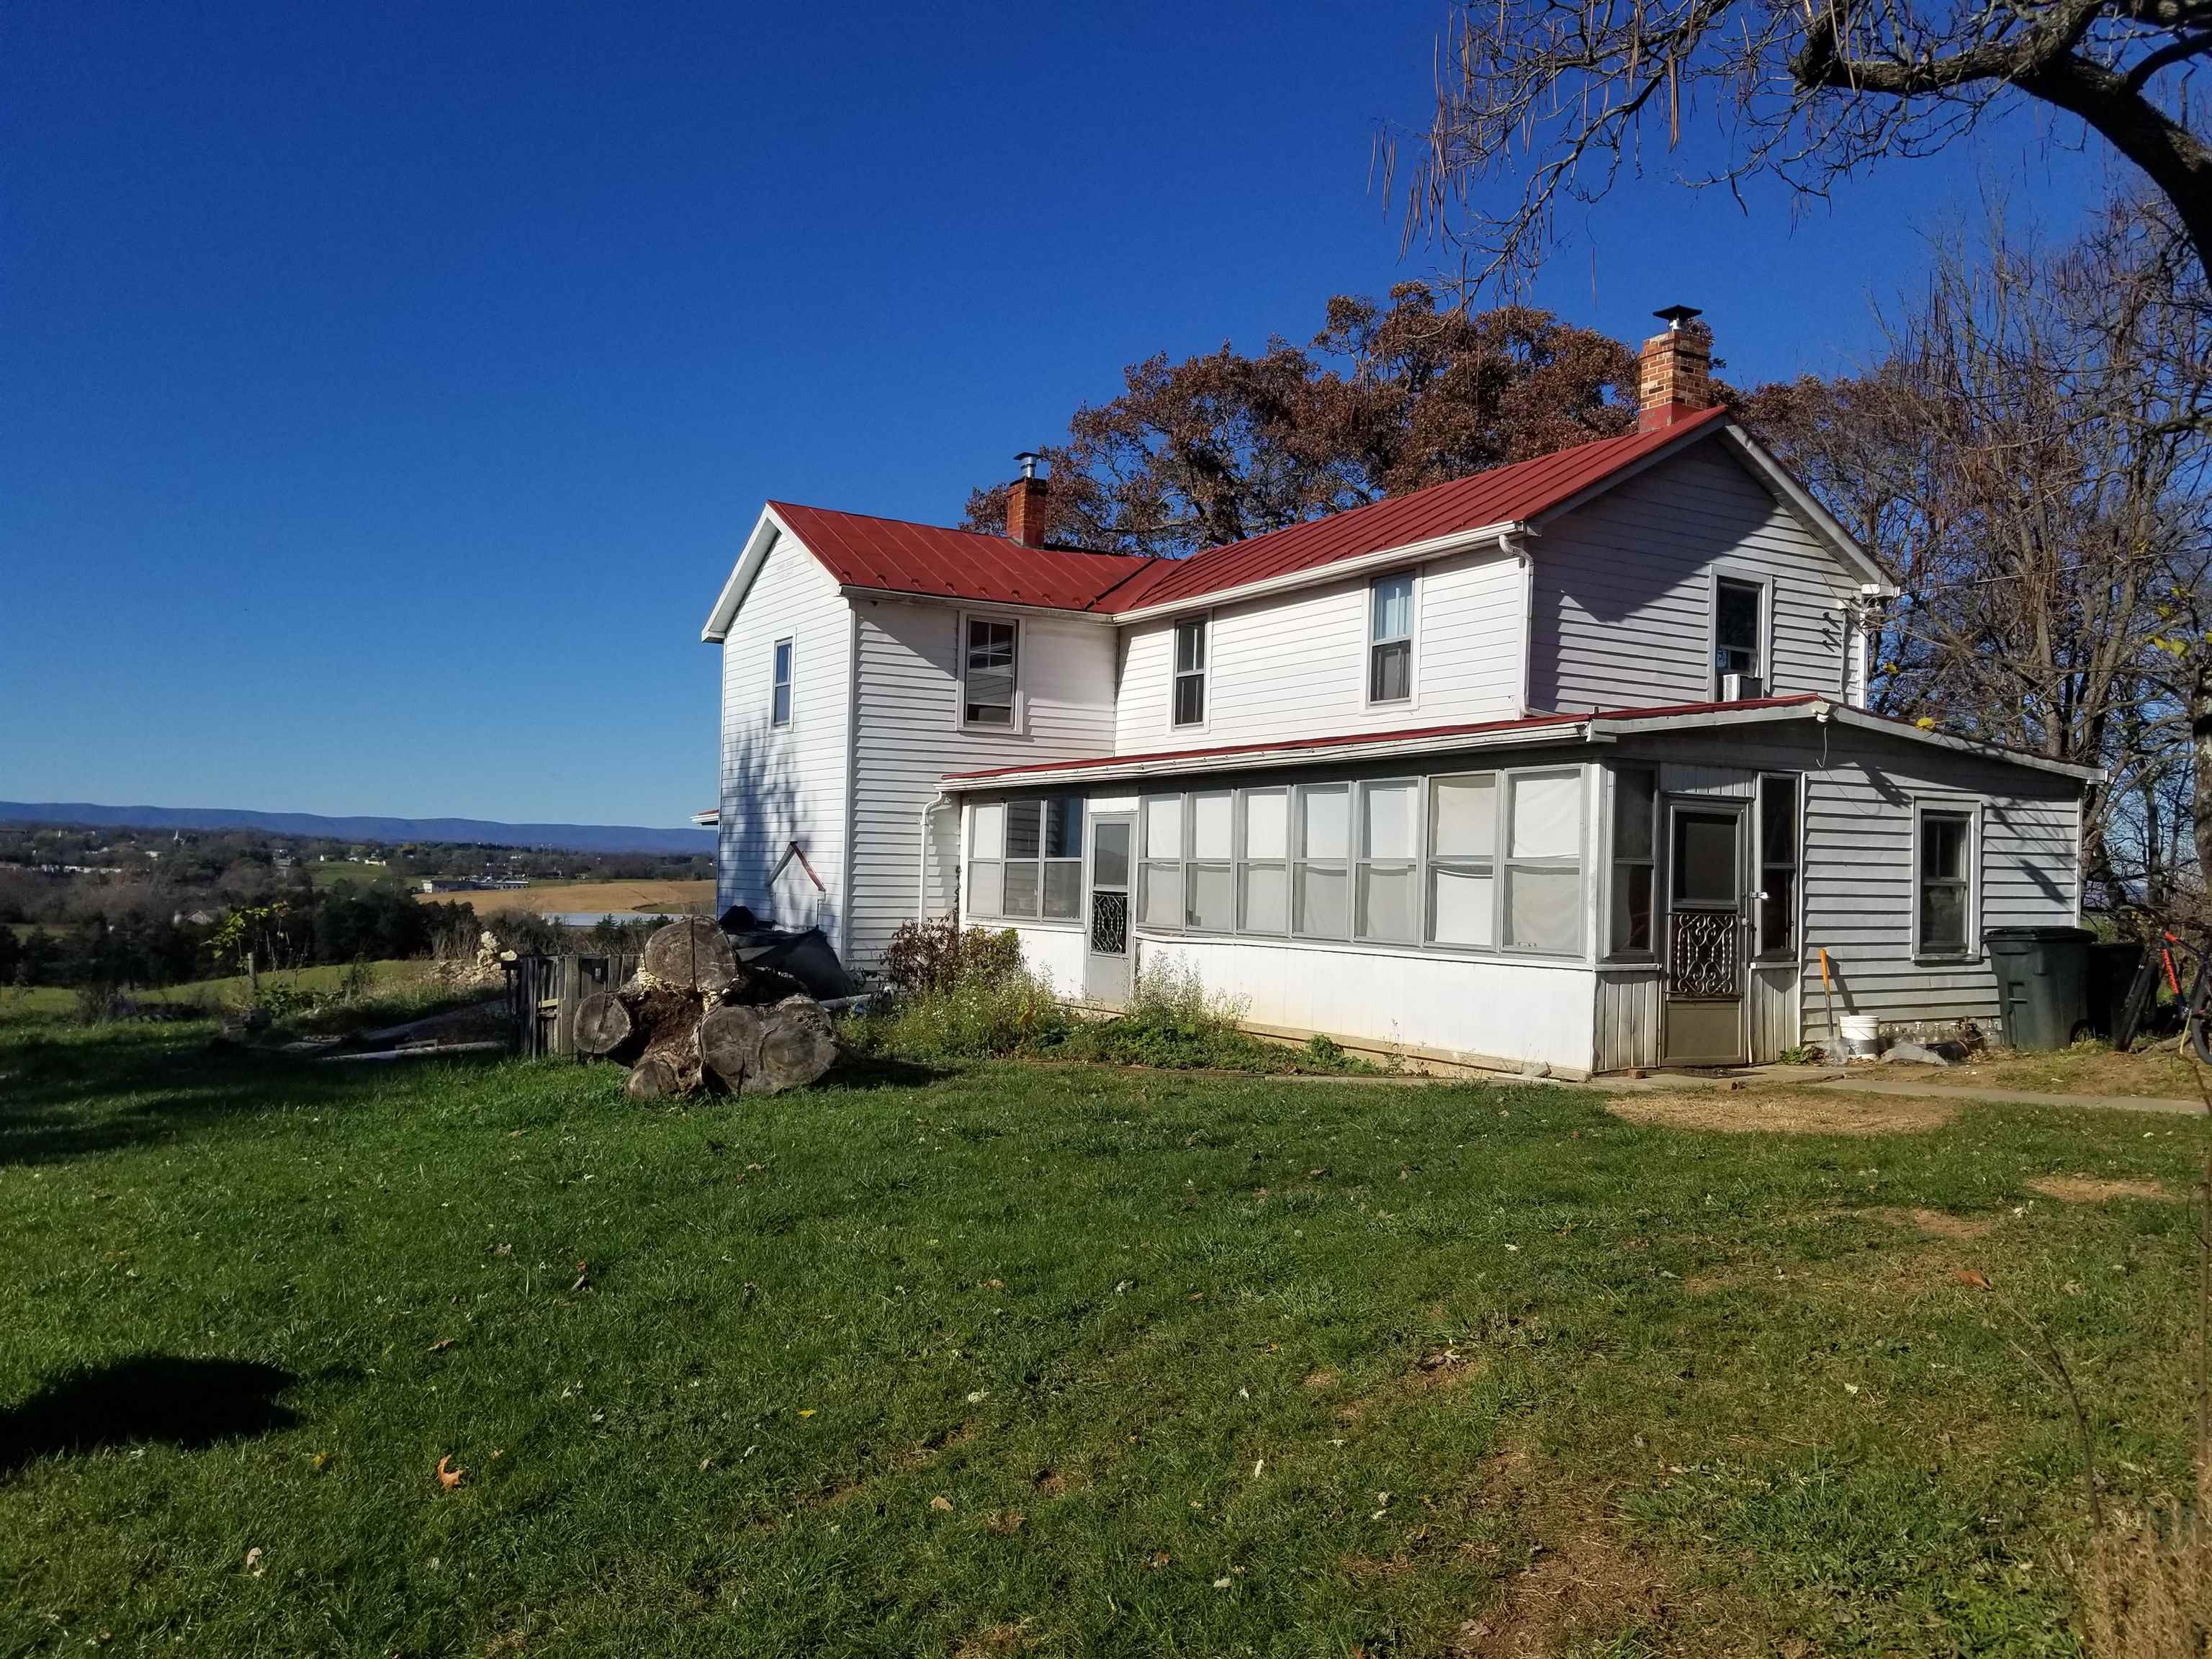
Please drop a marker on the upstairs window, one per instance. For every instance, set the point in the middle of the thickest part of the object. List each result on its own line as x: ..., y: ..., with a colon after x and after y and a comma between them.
x: 1190, y: 671
x: 779, y: 703
x: 1390, y: 639
x: 987, y: 678
x: 1739, y: 611
x: 1943, y: 915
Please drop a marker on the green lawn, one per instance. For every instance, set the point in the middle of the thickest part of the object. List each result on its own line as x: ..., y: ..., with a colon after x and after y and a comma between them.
x: 39, y: 1003
x: 1048, y: 1360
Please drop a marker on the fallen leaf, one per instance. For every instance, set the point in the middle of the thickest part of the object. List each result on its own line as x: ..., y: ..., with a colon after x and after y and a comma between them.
x: 994, y: 1284
x: 1006, y: 1522
x: 1160, y: 1558
x: 1221, y: 1583
x: 808, y: 1412
x: 449, y: 1477
x: 443, y: 1344
x: 253, y: 1561
x: 1974, y: 1277
x: 941, y: 1504
x: 583, y: 1278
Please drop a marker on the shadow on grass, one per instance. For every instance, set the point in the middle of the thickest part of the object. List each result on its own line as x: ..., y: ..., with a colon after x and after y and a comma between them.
x: 858, y: 1070
x: 63, y: 1098
x: 190, y: 1403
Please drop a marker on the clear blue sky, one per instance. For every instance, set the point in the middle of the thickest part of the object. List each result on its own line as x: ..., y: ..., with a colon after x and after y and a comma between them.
x: 385, y: 390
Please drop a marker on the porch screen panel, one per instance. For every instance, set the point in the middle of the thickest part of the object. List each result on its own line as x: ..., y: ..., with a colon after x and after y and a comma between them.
x: 1462, y: 861
x: 1635, y: 800
x: 1209, y: 892
x: 1263, y: 852
x: 1389, y: 846
x: 1159, y: 903
x: 1322, y: 881
x: 1543, y: 867
x: 987, y: 851
x: 1777, y: 866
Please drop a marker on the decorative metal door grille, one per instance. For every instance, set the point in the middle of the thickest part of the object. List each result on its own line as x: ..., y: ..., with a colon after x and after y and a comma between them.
x: 1109, y: 923
x: 1702, y: 958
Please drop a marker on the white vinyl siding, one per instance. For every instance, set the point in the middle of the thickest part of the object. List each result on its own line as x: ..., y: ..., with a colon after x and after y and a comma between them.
x: 1623, y: 589
x: 909, y: 737
x: 1297, y: 665
x: 784, y: 783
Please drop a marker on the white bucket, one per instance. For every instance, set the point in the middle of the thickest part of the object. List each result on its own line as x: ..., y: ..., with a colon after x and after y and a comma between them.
x: 1861, y: 1034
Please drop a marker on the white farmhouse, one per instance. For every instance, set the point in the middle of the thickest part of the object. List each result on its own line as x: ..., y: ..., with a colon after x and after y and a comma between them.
x: 1566, y: 763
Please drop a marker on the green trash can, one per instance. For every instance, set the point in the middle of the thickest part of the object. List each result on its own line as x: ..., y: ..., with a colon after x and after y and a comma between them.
x: 2042, y: 983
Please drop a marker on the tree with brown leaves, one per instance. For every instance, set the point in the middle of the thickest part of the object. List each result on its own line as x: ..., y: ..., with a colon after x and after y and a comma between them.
x: 1385, y: 399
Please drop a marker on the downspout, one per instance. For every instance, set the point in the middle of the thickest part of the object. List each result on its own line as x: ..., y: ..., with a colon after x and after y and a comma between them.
x: 1509, y: 543
x: 921, y: 888
x: 852, y: 783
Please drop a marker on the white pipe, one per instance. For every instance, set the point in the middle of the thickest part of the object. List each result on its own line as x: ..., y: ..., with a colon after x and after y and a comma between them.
x: 921, y: 887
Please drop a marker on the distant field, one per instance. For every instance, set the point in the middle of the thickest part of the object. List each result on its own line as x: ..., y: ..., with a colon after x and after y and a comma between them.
x: 574, y: 897
x: 46, y: 1000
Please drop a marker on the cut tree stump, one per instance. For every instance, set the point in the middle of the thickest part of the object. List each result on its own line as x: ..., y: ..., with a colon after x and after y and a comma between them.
x: 694, y: 954
x: 730, y: 1043
x: 797, y: 1047
x: 653, y: 1077
x: 605, y: 1024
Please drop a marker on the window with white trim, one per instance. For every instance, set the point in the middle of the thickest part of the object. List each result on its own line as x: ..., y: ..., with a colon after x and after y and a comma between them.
x: 1739, y: 619
x: 1390, y: 638
x: 1025, y: 859
x: 987, y: 665
x: 779, y: 705
x: 1944, y: 886
x: 1189, y: 693
x: 1635, y: 863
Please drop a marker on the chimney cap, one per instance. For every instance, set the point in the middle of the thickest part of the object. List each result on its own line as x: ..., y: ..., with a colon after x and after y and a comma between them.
x: 1029, y: 459
x: 1675, y: 316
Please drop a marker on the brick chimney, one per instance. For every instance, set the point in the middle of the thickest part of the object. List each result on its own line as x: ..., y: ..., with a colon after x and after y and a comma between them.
x: 1025, y: 502
x: 1675, y: 374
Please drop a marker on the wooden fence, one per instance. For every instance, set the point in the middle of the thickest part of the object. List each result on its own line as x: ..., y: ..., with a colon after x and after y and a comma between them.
x: 543, y: 993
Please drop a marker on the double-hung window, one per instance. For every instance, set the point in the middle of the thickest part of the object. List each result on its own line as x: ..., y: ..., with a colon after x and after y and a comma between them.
x: 1739, y: 616
x: 1322, y: 879
x: 1209, y: 896
x: 1463, y: 861
x: 1635, y: 809
x: 1159, y: 901
x: 1025, y: 859
x: 1190, y: 644
x: 1777, y: 866
x: 1390, y: 638
x: 1543, y: 863
x: 987, y: 672
x: 779, y: 705
x: 1943, y: 912
x: 1263, y: 876
x: 1390, y: 854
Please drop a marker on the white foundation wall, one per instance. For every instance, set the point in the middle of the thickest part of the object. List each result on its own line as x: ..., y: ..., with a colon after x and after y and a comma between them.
x: 1054, y: 952
x: 1447, y: 1007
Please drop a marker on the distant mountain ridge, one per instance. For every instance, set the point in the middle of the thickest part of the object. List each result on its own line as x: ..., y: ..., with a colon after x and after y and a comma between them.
x: 569, y: 837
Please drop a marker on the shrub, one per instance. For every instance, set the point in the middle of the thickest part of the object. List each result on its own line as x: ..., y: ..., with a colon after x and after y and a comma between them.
x: 938, y: 955
x: 1013, y: 1011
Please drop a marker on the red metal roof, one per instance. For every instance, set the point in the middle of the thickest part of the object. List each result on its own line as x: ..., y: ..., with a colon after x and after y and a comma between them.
x: 1366, y: 740
x: 861, y: 551
x: 1504, y: 494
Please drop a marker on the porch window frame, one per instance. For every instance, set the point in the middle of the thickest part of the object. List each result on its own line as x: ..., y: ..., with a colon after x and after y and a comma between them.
x: 1341, y: 865
x: 1763, y: 860
x: 1463, y: 864
x: 1364, y: 863
x: 1245, y: 863
x: 1615, y: 860
x: 1042, y: 862
x: 1510, y: 865
x: 1968, y: 813
x: 1017, y: 710
x: 1193, y: 862
x: 1149, y: 862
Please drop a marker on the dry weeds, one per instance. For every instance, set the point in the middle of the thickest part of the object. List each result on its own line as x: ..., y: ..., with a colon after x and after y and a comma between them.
x: 2095, y: 1189
x: 2147, y: 1585
x: 1783, y: 1111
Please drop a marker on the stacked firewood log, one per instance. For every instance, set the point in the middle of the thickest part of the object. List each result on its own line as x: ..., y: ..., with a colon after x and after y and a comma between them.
x: 694, y: 1017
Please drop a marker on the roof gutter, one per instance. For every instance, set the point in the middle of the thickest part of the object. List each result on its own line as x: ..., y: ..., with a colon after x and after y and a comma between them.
x: 1245, y: 759
x: 1436, y: 547
x: 969, y: 603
